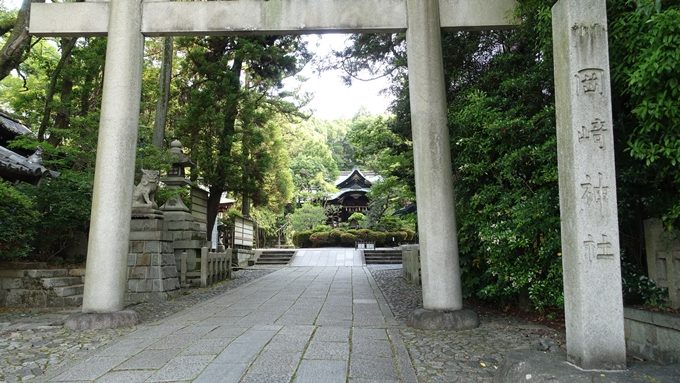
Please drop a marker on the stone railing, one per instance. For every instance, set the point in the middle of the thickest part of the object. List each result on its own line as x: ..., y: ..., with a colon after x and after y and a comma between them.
x: 652, y: 335
x: 214, y: 267
x: 365, y: 245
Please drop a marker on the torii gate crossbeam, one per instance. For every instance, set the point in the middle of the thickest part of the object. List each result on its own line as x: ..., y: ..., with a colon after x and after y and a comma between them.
x: 162, y: 18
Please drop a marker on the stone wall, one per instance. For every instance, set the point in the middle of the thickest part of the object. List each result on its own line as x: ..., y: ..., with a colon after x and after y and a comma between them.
x: 41, y: 287
x: 242, y: 257
x: 663, y: 258
x: 654, y: 336
x: 152, y: 271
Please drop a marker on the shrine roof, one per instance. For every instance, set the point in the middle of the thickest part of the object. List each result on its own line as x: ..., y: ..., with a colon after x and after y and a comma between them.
x: 12, y: 126
x: 347, y: 178
x: 14, y: 166
x: 342, y: 192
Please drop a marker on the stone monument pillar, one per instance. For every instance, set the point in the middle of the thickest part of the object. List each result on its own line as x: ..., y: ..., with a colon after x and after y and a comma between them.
x: 442, y: 294
x: 590, y: 237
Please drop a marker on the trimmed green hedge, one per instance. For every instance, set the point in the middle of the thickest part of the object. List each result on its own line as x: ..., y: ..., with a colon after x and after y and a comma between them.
x: 349, y: 237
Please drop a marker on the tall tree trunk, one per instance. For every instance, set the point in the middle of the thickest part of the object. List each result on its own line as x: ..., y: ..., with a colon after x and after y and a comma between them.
x: 67, y: 45
x: 245, y: 206
x: 63, y: 117
x: 225, y: 144
x: 164, y: 93
x: 14, y: 50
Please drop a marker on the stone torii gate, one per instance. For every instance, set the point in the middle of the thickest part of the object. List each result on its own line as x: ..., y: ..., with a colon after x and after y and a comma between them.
x: 126, y: 22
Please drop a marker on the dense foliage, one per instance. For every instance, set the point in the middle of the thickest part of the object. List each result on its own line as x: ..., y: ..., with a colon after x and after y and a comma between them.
x: 501, y: 121
x: 16, y: 213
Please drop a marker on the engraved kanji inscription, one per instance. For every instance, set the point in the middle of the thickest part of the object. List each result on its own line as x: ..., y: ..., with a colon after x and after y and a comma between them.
x: 594, y: 133
x: 590, y: 248
x: 604, y: 248
x: 591, y: 81
x: 594, y: 194
x: 601, y: 249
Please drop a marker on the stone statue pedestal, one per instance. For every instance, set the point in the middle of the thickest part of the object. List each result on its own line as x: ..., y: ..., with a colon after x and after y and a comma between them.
x: 187, y: 234
x: 152, y: 271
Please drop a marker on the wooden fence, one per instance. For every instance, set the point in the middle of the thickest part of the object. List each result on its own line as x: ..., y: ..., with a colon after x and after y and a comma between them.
x: 215, y: 267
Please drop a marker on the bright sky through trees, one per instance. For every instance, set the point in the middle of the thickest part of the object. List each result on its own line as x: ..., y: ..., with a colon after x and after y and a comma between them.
x: 332, y: 99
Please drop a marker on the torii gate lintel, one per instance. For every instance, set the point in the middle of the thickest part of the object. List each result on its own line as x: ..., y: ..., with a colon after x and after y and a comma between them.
x: 244, y: 17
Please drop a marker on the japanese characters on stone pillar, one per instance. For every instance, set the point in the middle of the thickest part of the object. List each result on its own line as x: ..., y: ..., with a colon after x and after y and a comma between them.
x: 587, y: 186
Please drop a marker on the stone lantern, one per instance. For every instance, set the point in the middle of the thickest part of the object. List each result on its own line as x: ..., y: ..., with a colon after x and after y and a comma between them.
x: 176, y: 177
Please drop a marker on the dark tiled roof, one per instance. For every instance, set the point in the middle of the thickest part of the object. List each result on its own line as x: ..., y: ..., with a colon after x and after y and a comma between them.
x: 14, y: 166
x: 13, y: 126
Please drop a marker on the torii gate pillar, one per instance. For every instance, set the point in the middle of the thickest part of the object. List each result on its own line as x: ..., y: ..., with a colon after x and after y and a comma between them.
x: 442, y: 294
x: 106, y: 277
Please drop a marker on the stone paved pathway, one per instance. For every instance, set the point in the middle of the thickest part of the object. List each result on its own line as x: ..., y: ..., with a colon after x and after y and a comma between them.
x: 327, y: 257
x: 299, y: 324
x: 308, y: 324
x: 35, y: 340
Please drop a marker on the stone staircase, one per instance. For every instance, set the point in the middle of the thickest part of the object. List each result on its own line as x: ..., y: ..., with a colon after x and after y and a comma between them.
x: 42, y: 287
x: 386, y: 256
x: 275, y: 257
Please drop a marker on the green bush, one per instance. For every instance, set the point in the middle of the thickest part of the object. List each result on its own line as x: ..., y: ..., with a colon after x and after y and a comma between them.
x: 321, y: 236
x: 335, y: 237
x: 301, y: 239
x: 363, y: 234
x: 639, y: 289
x: 320, y: 239
x: 348, y: 240
x: 18, y: 217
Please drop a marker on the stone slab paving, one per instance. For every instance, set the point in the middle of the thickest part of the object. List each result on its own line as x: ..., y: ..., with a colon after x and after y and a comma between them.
x: 304, y: 324
x: 33, y: 341
x: 330, y: 256
x: 298, y: 324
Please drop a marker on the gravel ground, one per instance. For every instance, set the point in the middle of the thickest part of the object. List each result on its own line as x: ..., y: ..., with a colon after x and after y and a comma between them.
x: 460, y: 356
x: 31, y: 341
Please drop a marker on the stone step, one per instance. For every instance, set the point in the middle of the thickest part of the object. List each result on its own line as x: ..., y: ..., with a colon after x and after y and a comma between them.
x: 47, y: 273
x: 373, y: 259
x: 271, y: 262
x: 383, y: 262
x: 49, y: 283
x: 74, y: 300
x: 70, y: 301
x: 77, y: 272
x: 67, y: 291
